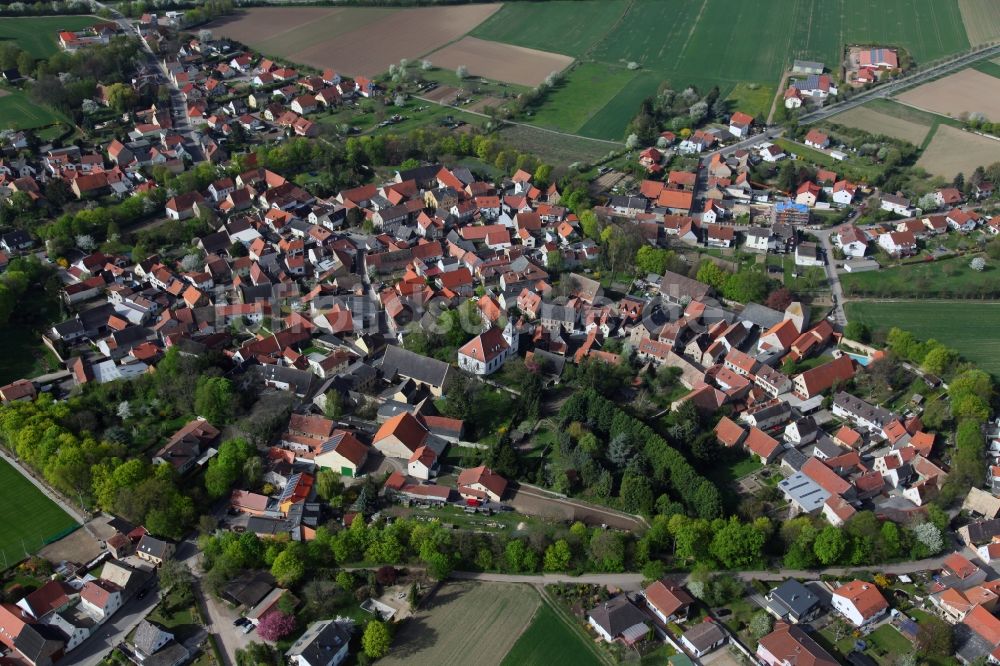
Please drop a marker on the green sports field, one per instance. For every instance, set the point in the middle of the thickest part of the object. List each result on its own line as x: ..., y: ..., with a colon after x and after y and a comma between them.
x: 31, y: 518
x: 720, y: 43
x: 968, y: 326
x: 37, y: 34
x: 548, y: 641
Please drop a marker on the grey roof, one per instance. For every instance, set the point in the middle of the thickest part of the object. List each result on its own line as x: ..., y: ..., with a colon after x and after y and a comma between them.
x: 981, y: 531
x: 704, y: 635
x: 147, y: 636
x: 38, y: 642
x: 794, y: 459
x: 616, y: 615
x: 320, y: 642
x: 561, y: 313
x: 400, y: 362
x: 171, y: 654
x: 797, y: 599
x: 762, y: 315
x: 854, y: 405
x: 299, y: 380
x: 676, y: 287
x: 249, y: 588
x: 826, y: 448
x: 804, y: 491
x: 153, y: 546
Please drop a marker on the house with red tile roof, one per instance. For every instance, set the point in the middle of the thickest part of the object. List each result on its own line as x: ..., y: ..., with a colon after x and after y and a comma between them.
x: 860, y: 602
x: 667, y: 601
x: 823, y: 377
x: 729, y: 433
x: 789, y: 645
x: 400, y: 436
x: 487, y: 352
x: 762, y: 445
x: 481, y: 483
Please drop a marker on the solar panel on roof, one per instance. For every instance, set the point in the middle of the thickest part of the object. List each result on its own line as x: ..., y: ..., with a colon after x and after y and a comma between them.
x: 289, y: 488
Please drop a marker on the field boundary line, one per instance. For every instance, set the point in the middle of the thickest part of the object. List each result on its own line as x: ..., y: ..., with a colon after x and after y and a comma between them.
x: 694, y: 26
x: 468, y: 33
x: 614, y: 25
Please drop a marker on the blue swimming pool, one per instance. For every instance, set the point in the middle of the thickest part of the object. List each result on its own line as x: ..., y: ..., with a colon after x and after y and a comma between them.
x: 863, y: 360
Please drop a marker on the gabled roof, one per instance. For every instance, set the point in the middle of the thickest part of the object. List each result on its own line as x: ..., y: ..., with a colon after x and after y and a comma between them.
x: 406, y: 428
x: 864, y: 596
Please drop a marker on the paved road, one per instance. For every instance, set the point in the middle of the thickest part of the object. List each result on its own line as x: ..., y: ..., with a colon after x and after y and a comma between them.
x: 900, y: 84
x: 92, y: 651
x: 182, y: 124
x: 840, y: 318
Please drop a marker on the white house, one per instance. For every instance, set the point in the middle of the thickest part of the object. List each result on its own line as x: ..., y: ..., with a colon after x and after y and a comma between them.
x: 817, y: 139
x: 487, y: 352
x: 770, y: 152
x: 760, y: 239
x: 860, y: 602
x: 423, y: 464
x: 898, y: 204
x: 101, y: 598
x: 898, y: 243
x: 852, y: 241
x: 844, y: 192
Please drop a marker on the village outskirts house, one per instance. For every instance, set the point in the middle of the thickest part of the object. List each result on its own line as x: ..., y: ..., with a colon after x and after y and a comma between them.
x: 860, y: 602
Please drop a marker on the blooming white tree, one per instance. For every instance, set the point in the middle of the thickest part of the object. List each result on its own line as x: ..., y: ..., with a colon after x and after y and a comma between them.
x: 426, y: 65
x: 462, y: 71
x: 978, y: 264
x: 633, y: 65
x: 632, y: 141
x: 124, y: 410
x: 190, y: 262
x: 929, y: 535
x: 85, y: 242
x: 399, y: 100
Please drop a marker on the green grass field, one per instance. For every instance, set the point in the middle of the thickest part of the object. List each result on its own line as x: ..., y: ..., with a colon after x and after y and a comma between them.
x: 720, y: 43
x: 752, y: 98
x: 968, y: 326
x: 545, y: 25
x: 610, y: 121
x: 988, y: 67
x: 549, y: 642
x: 19, y: 112
x: 585, y: 90
x: 34, y: 518
x: 37, y: 34
x: 947, y: 278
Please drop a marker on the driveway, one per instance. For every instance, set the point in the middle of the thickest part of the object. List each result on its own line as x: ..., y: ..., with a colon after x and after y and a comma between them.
x: 537, y: 502
x: 218, y: 616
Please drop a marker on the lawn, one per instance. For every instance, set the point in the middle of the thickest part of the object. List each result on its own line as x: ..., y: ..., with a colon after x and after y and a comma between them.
x: 548, y: 641
x: 946, y: 278
x: 556, y: 148
x: 24, y: 354
x: 988, y: 67
x: 852, y: 167
x: 751, y: 98
x: 969, y: 327
x: 37, y: 34
x: 584, y: 91
x: 36, y: 519
x: 547, y: 25
x: 19, y: 112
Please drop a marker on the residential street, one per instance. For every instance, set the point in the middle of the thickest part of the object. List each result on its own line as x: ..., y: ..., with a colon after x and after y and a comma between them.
x: 218, y: 618
x: 840, y: 318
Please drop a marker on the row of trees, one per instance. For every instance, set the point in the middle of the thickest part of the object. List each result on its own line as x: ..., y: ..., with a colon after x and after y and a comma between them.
x: 744, y: 286
x: 677, y: 111
x: 970, y: 395
x: 668, y: 470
